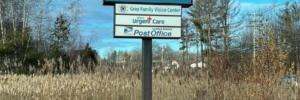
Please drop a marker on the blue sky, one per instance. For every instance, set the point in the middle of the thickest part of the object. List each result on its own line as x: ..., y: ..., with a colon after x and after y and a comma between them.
x: 100, y: 19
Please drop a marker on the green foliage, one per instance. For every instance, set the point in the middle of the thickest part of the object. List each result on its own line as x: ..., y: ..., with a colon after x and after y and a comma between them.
x: 19, y: 48
x: 114, y: 56
x: 59, y: 37
x: 59, y: 40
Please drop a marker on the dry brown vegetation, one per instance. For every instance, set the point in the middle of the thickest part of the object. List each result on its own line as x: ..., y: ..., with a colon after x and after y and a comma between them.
x: 118, y: 84
x: 223, y: 80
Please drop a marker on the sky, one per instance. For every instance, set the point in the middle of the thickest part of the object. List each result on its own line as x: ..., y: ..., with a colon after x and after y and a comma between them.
x: 99, y: 18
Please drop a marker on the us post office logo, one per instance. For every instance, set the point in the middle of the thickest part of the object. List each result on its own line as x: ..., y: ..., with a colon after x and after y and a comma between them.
x: 128, y: 30
x: 123, y: 8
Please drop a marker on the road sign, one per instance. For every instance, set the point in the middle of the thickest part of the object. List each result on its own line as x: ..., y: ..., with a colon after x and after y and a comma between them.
x: 147, y: 32
x: 144, y: 9
x: 139, y: 20
x: 143, y: 19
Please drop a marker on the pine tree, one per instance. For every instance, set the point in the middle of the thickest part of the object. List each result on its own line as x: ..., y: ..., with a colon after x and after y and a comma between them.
x: 59, y: 37
x: 59, y: 40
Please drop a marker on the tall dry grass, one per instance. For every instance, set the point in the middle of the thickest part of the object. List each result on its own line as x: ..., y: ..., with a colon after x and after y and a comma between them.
x: 119, y: 84
x: 221, y: 81
x: 106, y: 84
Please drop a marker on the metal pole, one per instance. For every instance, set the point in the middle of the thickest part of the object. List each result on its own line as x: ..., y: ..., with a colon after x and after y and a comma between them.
x: 147, y: 68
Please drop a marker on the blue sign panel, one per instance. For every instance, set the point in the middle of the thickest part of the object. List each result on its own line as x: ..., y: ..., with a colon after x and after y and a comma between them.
x: 184, y: 3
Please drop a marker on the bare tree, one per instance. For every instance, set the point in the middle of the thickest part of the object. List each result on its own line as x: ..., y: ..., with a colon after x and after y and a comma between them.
x: 13, y: 25
x: 24, y: 16
x: 228, y: 12
x: 185, y: 38
x: 40, y: 22
x: 205, y: 15
x: 1, y: 22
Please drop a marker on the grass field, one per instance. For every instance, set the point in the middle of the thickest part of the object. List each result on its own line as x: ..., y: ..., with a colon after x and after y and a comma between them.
x: 119, y: 84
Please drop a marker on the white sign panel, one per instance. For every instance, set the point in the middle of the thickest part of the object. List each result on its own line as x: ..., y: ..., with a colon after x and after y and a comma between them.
x: 165, y: 32
x: 147, y: 20
x: 147, y: 9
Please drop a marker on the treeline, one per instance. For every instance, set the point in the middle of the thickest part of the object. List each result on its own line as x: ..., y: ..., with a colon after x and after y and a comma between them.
x: 33, y: 31
x: 161, y: 52
x: 211, y: 26
x: 218, y: 25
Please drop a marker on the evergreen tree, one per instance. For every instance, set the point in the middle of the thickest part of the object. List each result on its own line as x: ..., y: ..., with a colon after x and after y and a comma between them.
x: 114, y: 57
x: 59, y: 37
x: 22, y: 49
x: 59, y: 40
x: 186, y: 38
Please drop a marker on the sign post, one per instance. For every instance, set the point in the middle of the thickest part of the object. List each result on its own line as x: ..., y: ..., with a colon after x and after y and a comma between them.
x: 147, y: 69
x: 147, y: 19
